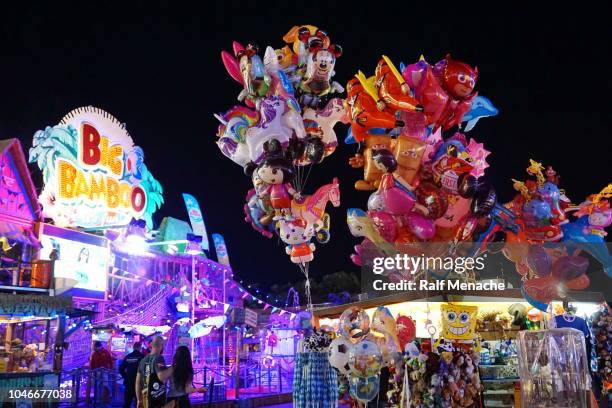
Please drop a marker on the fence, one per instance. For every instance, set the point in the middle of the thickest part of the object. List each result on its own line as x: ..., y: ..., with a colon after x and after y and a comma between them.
x: 102, y: 387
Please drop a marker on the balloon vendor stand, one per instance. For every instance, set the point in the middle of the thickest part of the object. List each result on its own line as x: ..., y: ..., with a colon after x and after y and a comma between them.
x: 448, y: 349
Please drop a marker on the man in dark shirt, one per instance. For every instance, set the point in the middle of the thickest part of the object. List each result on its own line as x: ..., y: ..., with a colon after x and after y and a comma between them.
x: 128, y: 370
x: 152, y: 373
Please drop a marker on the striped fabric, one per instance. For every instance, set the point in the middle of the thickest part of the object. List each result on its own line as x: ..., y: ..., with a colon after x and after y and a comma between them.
x: 315, y: 382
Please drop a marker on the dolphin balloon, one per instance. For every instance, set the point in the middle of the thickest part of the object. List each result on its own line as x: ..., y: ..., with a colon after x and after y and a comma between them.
x: 481, y: 108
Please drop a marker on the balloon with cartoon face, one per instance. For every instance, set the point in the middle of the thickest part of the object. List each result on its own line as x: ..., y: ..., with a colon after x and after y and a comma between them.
x: 459, y: 78
x: 297, y: 235
x: 458, y: 321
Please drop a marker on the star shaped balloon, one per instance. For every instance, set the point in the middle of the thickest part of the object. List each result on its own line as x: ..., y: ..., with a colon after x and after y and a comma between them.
x: 479, y: 157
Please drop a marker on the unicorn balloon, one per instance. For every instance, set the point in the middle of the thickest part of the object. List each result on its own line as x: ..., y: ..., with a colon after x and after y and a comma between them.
x: 325, y: 119
x: 243, y: 132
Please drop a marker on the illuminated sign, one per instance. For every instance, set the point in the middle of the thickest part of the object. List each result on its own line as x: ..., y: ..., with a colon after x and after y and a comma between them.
x: 93, y: 173
x: 81, y: 260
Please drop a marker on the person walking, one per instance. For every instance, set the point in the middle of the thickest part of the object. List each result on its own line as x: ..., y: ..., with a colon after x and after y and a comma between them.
x: 128, y: 370
x: 151, y: 376
x: 100, y: 358
x: 181, y: 379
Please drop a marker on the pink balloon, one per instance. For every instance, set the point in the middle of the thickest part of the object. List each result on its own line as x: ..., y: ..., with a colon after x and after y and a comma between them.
x: 414, y: 74
x: 569, y: 267
x: 455, y: 212
x: 385, y: 224
x: 397, y: 201
x: 422, y: 227
x: 433, y: 97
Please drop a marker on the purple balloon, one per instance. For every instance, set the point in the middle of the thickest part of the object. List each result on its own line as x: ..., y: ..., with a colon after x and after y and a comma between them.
x: 414, y: 74
x: 569, y: 267
x: 538, y: 261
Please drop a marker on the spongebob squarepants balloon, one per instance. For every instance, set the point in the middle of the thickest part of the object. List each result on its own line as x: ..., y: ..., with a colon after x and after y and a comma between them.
x: 459, y: 322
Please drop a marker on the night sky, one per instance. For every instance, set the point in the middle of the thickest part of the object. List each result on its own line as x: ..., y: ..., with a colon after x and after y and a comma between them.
x: 157, y: 68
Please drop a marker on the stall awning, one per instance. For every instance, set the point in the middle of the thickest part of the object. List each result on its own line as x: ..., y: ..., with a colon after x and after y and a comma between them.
x: 18, y: 232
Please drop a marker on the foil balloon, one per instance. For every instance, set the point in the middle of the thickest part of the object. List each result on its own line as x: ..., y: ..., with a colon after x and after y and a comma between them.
x: 458, y: 321
x: 354, y: 324
x: 395, y: 191
x: 385, y: 225
x: 433, y: 199
x: 406, y: 330
x: 567, y: 268
x: 365, y: 359
x: 364, y: 389
x: 384, y: 323
x: 538, y: 260
x: 420, y: 226
x: 457, y: 208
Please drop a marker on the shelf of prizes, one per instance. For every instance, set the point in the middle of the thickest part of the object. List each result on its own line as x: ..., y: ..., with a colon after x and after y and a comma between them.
x: 448, y: 351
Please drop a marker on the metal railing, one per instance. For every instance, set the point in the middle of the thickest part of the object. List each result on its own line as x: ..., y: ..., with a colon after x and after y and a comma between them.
x: 102, y: 387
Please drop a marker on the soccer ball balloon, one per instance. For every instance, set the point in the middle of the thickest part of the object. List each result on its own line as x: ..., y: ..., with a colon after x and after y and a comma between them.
x: 339, y: 354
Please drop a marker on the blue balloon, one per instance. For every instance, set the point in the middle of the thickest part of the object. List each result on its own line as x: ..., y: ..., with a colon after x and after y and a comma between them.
x: 577, y: 236
x: 350, y: 139
x: 539, y: 209
x: 537, y: 304
x: 481, y: 108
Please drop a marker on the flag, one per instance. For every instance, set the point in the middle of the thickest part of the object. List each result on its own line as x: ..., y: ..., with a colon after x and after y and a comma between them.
x: 220, y: 249
x: 196, y: 218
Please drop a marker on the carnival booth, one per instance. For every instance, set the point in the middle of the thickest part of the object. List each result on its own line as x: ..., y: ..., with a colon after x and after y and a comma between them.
x: 464, y: 349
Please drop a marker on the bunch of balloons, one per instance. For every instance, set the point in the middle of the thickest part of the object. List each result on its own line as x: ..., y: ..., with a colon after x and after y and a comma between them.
x: 546, y: 246
x: 424, y: 188
x: 286, y: 124
x: 363, y: 347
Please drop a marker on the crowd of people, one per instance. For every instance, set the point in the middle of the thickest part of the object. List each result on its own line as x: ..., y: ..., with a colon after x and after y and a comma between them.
x: 147, y: 379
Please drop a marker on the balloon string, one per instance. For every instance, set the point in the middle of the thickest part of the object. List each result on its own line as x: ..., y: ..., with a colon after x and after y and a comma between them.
x: 296, y: 180
x: 307, y: 175
x: 304, y: 267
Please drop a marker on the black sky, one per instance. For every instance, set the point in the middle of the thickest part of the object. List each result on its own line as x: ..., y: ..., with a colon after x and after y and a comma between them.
x: 156, y: 66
